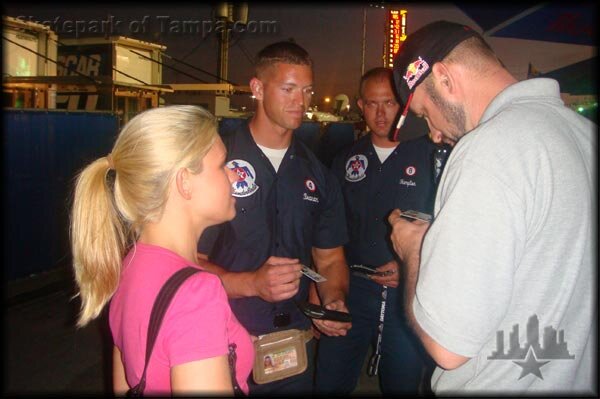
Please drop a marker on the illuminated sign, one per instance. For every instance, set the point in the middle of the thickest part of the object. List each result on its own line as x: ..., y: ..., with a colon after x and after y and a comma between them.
x: 396, y: 34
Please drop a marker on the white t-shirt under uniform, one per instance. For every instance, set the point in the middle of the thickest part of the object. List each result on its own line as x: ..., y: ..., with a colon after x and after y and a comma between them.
x: 274, y: 155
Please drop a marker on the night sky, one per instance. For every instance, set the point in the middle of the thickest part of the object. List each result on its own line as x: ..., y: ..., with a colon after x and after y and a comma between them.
x: 332, y: 34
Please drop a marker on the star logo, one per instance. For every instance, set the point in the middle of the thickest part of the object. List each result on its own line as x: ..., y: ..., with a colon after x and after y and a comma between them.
x: 550, y: 346
x: 531, y: 365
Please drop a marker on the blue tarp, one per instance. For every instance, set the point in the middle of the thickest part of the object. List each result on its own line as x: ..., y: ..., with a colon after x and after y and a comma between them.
x: 43, y: 151
x: 561, y: 22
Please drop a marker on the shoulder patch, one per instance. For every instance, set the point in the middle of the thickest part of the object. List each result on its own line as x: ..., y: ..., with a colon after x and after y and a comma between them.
x: 356, y: 168
x: 245, y: 185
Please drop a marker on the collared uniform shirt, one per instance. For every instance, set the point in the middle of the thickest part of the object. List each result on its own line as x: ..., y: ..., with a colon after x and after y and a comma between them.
x: 372, y: 190
x: 284, y: 213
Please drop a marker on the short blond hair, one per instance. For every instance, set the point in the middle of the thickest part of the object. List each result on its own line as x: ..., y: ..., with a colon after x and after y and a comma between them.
x: 115, y: 196
x: 379, y: 74
x: 281, y: 52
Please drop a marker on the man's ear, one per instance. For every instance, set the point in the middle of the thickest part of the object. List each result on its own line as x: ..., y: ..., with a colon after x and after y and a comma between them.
x: 445, y: 78
x: 184, y: 185
x: 257, y: 88
x: 360, y: 104
x: 435, y: 135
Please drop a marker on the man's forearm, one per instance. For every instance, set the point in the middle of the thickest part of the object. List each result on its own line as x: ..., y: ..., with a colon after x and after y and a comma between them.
x: 336, y: 286
x: 313, y: 295
x: 407, y: 238
x: 440, y: 355
x: 331, y: 264
x: 410, y: 273
x: 410, y: 276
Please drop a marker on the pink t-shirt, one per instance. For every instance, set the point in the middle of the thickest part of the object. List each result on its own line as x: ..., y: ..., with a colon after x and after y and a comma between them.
x: 198, y: 324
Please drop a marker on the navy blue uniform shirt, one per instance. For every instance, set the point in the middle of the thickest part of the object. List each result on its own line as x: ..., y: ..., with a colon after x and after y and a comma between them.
x: 372, y: 190
x: 284, y: 213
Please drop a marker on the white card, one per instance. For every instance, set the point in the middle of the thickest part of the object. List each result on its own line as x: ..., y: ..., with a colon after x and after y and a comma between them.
x: 417, y: 215
x: 313, y: 275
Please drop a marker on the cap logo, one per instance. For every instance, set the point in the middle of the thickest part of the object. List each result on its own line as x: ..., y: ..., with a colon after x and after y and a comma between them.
x: 414, y: 71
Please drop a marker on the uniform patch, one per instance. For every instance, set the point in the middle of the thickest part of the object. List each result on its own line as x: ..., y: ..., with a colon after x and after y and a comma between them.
x: 410, y: 170
x: 245, y: 184
x: 356, y: 168
x: 310, y: 185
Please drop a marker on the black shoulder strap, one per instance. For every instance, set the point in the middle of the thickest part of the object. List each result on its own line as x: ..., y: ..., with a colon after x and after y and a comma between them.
x: 161, y: 304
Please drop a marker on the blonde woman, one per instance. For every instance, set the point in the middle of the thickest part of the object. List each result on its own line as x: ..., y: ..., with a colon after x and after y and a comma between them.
x: 137, y: 216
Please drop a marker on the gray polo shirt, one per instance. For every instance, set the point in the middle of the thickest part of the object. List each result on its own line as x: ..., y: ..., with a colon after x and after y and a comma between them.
x: 508, y: 267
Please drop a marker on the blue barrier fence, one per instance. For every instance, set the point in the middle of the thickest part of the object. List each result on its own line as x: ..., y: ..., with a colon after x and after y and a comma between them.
x: 43, y: 151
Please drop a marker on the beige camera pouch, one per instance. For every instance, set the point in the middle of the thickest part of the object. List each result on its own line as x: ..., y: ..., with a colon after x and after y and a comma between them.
x: 280, y: 355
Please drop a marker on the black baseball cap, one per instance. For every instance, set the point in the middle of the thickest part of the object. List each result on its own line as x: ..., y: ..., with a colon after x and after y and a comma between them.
x: 422, y: 49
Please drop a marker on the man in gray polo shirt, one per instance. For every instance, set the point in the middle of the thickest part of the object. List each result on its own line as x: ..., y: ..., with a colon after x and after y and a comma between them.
x: 501, y: 287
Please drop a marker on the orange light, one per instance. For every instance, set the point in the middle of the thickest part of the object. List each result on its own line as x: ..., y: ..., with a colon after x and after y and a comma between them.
x: 396, y: 33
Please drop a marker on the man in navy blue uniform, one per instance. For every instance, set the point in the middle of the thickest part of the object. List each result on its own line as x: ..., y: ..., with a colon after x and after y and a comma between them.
x: 289, y: 213
x: 377, y: 176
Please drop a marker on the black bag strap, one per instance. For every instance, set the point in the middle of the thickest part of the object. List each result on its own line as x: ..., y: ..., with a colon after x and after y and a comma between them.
x: 161, y: 304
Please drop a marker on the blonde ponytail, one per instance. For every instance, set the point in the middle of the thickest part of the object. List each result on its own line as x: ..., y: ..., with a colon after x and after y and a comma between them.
x: 115, y: 196
x: 99, y: 243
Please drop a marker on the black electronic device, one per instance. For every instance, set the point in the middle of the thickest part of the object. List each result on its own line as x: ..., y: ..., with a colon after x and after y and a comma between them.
x: 370, y: 271
x: 318, y: 312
